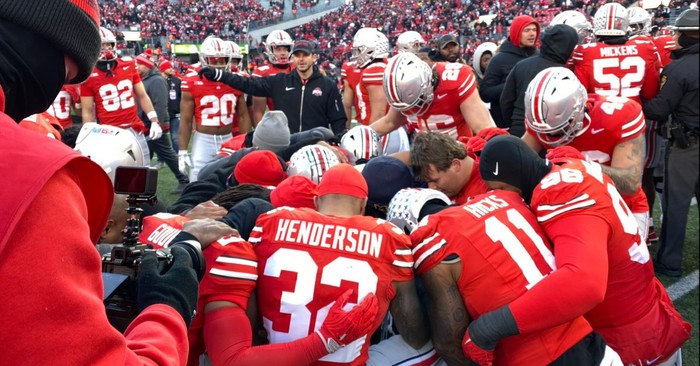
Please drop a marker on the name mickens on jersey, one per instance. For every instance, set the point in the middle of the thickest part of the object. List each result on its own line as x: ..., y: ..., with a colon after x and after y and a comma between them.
x: 619, y: 51
x: 329, y: 236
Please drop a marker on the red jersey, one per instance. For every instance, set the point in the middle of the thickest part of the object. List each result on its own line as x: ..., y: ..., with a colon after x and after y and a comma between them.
x: 113, y: 91
x: 370, y: 75
x: 631, y: 312
x: 307, y: 259
x: 43, y: 123
x: 474, y: 187
x: 627, y: 70
x: 610, y: 121
x: 214, y: 102
x: 60, y: 108
x: 456, y: 84
x: 269, y: 70
x: 664, y: 45
x: 352, y: 75
x: 504, y: 253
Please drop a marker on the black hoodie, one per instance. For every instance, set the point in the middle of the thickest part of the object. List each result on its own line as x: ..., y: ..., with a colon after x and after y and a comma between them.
x: 557, y: 44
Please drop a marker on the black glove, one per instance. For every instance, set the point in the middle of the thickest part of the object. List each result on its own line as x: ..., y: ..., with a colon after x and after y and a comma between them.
x: 175, y: 286
x: 211, y: 74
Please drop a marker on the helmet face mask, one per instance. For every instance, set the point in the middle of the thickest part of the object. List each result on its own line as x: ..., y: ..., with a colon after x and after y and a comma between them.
x: 611, y: 19
x: 640, y: 21
x: 408, y: 84
x: 109, y: 45
x: 274, y: 40
x: 555, y: 106
x: 410, y: 41
x: 236, y: 54
x: 215, y: 53
x: 368, y: 44
x: 576, y: 20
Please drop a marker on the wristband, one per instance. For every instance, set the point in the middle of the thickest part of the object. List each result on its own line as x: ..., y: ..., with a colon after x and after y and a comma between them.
x: 152, y: 115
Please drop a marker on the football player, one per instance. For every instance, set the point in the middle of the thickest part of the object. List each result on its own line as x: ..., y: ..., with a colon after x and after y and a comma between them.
x: 223, y: 329
x: 208, y: 107
x: 67, y: 98
x: 443, y: 97
x: 608, y: 130
x: 603, y: 270
x: 616, y: 65
x: 278, y: 49
x: 444, y: 164
x: 370, y: 49
x: 495, y: 257
x: 350, y: 75
x: 664, y: 45
x: 110, y: 94
x: 409, y: 41
x: 307, y: 258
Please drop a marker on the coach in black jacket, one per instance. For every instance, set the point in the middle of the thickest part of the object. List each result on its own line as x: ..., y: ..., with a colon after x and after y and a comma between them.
x: 306, y: 97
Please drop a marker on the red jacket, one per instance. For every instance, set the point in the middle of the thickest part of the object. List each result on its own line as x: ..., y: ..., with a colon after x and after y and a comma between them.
x: 55, y: 204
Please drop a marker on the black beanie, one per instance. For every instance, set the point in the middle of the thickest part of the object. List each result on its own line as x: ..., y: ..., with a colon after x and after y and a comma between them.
x: 72, y: 25
x: 509, y: 160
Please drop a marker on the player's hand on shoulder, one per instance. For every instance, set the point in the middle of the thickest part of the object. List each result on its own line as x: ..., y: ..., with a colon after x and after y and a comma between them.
x: 208, y: 230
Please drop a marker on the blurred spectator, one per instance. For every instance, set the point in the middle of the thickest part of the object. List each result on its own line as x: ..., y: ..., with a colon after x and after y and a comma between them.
x: 520, y: 44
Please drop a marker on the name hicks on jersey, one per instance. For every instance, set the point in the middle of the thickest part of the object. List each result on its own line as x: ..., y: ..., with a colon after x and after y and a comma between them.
x: 483, y: 207
x: 619, y: 51
x: 329, y: 236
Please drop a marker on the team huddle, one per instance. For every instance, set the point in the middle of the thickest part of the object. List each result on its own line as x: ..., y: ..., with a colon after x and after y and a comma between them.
x: 403, y: 220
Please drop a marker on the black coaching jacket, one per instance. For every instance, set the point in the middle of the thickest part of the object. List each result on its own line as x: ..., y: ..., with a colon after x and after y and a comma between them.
x: 315, y: 103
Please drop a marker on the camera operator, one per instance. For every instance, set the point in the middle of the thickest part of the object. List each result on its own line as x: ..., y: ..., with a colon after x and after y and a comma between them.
x: 54, y: 206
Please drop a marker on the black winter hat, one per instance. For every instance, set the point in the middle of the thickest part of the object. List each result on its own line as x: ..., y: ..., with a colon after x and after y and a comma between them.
x: 72, y: 25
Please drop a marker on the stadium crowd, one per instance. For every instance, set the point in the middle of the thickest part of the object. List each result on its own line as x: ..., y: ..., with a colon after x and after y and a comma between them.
x: 474, y: 191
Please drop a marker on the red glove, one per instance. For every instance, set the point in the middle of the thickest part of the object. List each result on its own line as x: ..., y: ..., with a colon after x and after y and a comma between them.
x: 490, y: 132
x: 563, y: 153
x: 476, y: 353
x: 340, y: 327
x: 476, y: 144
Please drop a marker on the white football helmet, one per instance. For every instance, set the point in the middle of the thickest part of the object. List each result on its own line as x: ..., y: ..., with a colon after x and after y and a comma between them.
x: 278, y: 38
x: 107, y: 37
x: 236, y: 52
x: 362, y: 142
x: 405, y: 206
x: 555, y: 102
x: 611, y: 20
x: 368, y: 44
x: 312, y: 161
x: 577, y: 21
x: 408, y: 84
x: 111, y: 147
x: 640, y: 21
x: 215, y: 48
x: 410, y: 41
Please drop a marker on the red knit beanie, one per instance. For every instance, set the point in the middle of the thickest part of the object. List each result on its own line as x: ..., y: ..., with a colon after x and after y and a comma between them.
x: 259, y: 167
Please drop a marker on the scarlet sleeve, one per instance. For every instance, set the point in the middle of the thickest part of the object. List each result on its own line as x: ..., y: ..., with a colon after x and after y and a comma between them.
x: 650, y: 86
x: 51, y: 266
x: 579, y: 282
x: 86, y: 89
x: 228, y: 338
x: 467, y: 84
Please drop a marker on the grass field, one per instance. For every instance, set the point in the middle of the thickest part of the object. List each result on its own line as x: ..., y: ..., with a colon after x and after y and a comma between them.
x: 688, y: 305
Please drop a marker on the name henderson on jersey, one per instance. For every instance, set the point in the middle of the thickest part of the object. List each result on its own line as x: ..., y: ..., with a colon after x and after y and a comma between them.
x: 329, y: 236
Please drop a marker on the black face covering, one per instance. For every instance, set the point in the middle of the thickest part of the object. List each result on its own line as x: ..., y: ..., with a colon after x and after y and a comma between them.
x: 32, y: 71
x: 508, y: 159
